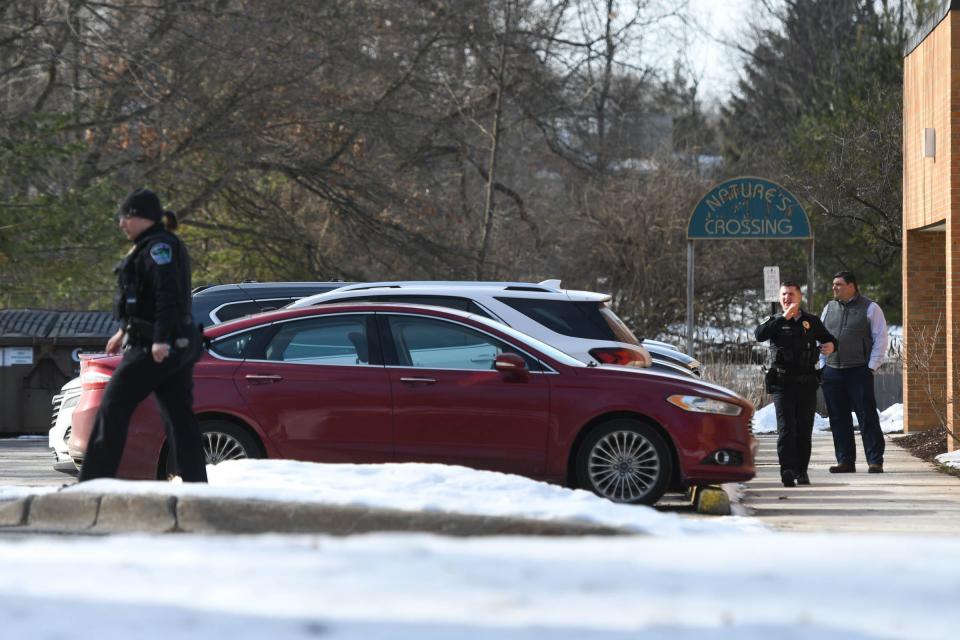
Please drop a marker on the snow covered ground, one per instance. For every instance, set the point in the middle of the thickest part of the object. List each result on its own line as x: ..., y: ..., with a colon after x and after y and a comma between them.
x: 951, y: 459
x: 891, y: 420
x: 414, y: 487
x: 422, y: 587
x: 723, y: 578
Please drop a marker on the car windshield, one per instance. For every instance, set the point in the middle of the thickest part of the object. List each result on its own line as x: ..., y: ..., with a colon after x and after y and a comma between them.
x: 577, y: 319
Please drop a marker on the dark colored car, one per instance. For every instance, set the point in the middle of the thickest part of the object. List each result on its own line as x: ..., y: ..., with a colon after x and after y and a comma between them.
x: 218, y: 303
x: 375, y: 382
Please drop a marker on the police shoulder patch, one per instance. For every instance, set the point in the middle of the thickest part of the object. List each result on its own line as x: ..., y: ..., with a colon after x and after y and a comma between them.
x: 161, y: 253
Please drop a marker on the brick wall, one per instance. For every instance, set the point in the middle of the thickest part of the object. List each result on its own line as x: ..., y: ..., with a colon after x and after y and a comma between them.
x: 925, y: 370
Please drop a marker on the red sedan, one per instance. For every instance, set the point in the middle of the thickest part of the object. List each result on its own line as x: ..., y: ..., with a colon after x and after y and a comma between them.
x: 369, y: 383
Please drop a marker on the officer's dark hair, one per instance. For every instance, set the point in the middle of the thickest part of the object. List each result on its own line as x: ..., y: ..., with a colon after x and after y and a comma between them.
x: 848, y: 277
x: 791, y: 283
x: 170, y: 222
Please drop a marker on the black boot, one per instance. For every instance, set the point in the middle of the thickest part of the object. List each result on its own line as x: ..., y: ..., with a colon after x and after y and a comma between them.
x: 788, y: 478
x: 803, y: 478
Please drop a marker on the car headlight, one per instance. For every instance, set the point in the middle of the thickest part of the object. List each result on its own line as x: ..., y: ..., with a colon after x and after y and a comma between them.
x: 698, y: 404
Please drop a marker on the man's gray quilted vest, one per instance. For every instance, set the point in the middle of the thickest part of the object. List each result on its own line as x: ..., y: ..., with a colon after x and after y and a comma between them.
x: 850, y: 326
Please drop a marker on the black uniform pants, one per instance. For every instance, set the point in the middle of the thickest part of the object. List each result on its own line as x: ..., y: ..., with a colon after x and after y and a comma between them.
x: 136, y: 378
x: 796, y: 406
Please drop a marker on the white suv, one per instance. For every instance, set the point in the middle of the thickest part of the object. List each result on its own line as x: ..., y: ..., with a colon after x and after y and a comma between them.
x: 63, y: 406
x: 580, y: 323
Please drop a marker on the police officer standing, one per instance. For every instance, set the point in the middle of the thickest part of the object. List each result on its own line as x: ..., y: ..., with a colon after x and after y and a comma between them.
x: 792, y: 379
x: 160, y: 344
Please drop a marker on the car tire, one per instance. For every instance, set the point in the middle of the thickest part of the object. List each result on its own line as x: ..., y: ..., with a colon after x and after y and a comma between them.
x: 221, y: 441
x: 624, y: 461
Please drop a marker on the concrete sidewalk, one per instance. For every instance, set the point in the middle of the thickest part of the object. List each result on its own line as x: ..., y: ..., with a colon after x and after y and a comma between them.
x: 911, y: 496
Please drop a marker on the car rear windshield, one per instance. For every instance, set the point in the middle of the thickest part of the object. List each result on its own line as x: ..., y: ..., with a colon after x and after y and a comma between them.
x: 590, y: 320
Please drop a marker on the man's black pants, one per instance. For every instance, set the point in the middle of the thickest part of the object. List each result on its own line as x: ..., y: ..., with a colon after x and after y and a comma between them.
x: 136, y: 377
x: 796, y: 406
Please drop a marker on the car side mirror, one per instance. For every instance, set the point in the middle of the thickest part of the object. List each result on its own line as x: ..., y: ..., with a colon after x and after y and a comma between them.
x: 512, y: 366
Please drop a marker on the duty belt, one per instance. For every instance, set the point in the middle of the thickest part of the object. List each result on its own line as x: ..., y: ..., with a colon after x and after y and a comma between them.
x: 801, y: 377
x: 140, y: 331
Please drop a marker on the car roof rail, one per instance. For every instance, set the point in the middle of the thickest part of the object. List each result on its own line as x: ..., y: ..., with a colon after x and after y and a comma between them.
x: 547, y: 286
x: 528, y: 288
x: 375, y: 286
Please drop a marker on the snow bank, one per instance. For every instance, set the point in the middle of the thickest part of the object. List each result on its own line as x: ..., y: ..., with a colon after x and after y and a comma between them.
x: 422, y: 487
x: 951, y: 459
x: 891, y: 420
x: 765, y: 421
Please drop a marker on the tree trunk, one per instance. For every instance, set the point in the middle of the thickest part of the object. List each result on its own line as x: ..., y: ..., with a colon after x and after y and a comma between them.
x: 489, y: 204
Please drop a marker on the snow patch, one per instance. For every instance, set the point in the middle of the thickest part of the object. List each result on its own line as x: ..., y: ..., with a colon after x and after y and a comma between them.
x: 891, y: 420
x: 951, y: 459
x: 421, y: 487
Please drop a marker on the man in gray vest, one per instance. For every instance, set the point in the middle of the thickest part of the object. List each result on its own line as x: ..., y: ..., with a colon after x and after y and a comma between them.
x: 861, y: 332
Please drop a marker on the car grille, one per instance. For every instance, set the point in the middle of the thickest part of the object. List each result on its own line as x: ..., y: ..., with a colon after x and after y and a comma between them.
x: 57, y: 401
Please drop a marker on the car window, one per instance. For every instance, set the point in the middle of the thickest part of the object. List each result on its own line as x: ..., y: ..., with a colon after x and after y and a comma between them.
x: 590, y: 320
x: 338, y: 340
x: 237, y: 345
x: 450, y: 302
x: 476, y: 309
x: 274, y: 303
x: 436, y: 344
x: 235, y: 310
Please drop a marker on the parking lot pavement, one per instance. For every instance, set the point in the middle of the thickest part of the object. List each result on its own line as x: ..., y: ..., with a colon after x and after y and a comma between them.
x: 911, y: 496
x: 29, y: 462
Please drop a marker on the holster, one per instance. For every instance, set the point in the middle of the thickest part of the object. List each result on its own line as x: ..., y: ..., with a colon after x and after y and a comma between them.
x: 773, y: 379
x: 139, y: 332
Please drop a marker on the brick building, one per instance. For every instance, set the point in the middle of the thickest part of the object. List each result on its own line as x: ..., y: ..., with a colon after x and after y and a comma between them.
x: 931, y: 224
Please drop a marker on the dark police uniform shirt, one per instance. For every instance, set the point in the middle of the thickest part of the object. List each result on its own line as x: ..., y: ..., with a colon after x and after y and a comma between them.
x: 154, y: 286
x: 795, y: 342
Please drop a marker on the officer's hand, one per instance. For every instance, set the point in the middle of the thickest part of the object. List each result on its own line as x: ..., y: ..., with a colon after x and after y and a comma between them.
x: 160, y: 351
x: 826, y: 348
x: 115, y: 342
x: 792, y: 311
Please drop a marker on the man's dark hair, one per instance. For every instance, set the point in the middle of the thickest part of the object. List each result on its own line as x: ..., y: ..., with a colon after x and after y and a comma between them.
x: 791, y: 283
x: 848, y: 277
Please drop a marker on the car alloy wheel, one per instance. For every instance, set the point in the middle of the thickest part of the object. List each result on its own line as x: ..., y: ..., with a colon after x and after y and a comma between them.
x: 221, y: 441
x: 218, y: 447
x: 625, y: 461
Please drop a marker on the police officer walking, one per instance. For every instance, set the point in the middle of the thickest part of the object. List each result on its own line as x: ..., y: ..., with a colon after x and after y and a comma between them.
x: 160, y: 344
x: 792, y: 379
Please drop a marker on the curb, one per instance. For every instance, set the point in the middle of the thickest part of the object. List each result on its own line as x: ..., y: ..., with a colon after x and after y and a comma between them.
x: 77, y: 512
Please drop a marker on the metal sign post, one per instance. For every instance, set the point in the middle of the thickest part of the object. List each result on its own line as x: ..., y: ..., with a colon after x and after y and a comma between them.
x: 746, y: 208
x: 690, y: 297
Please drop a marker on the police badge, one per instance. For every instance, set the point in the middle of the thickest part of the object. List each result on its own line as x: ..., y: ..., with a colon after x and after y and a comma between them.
x: 806, y: 324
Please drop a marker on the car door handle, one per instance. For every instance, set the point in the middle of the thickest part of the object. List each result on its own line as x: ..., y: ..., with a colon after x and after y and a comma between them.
x: 262, y: 378
x: 412, y: 381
